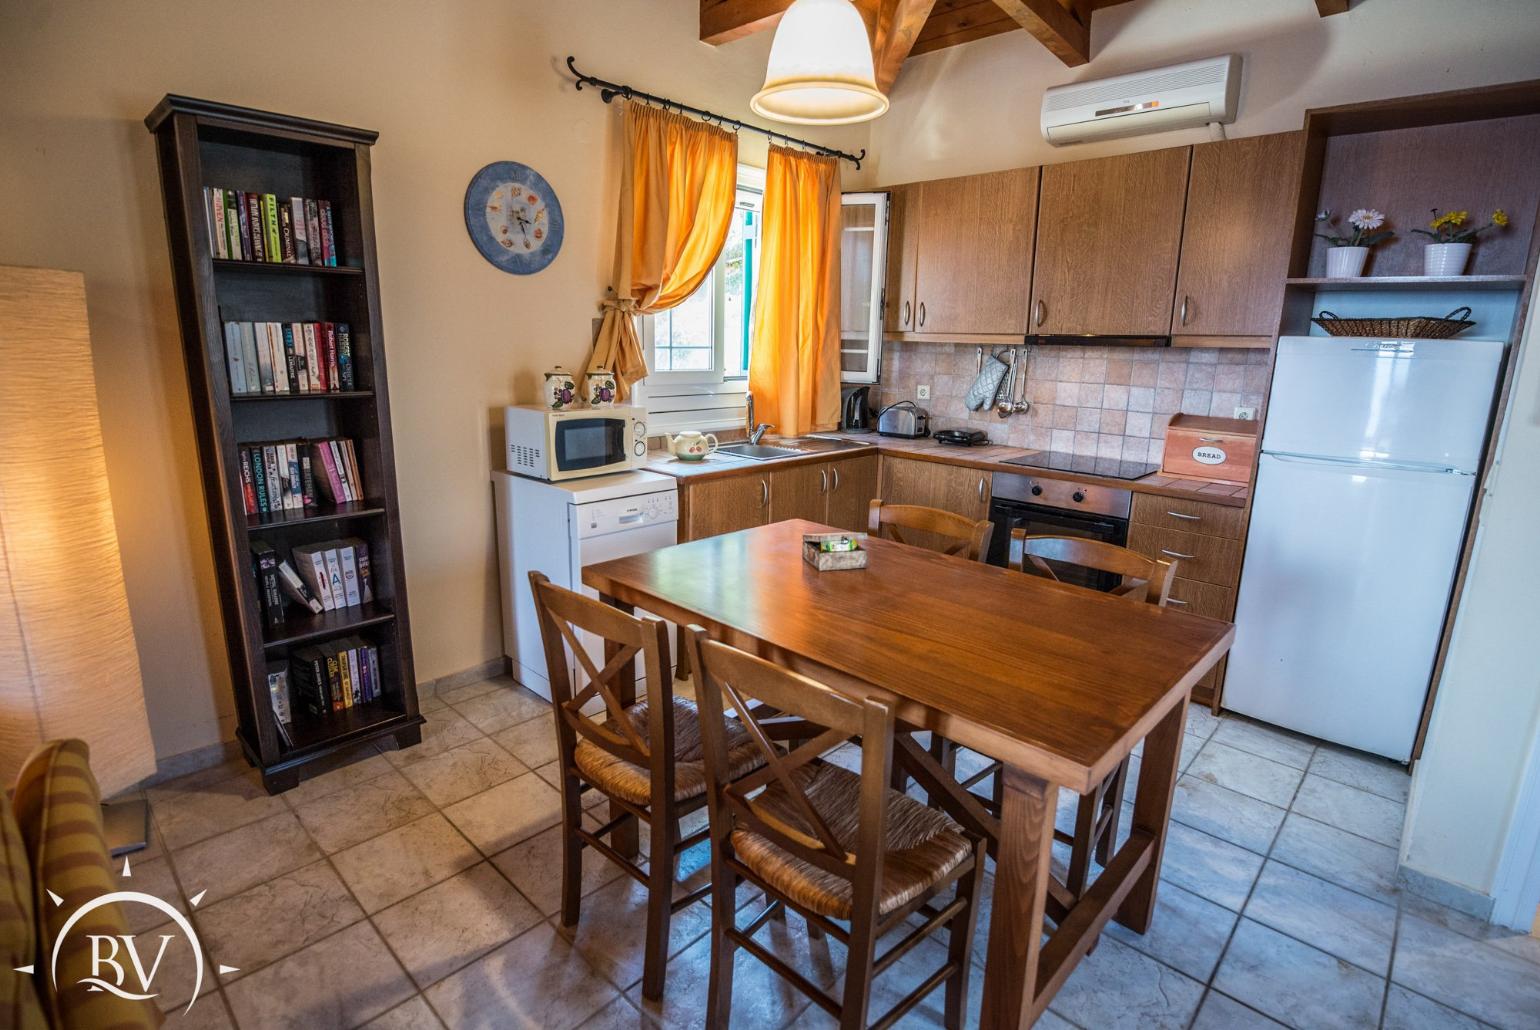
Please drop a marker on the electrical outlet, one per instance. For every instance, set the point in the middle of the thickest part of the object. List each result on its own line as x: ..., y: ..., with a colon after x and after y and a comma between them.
x: 1246, y: 412
x: 922, y: 392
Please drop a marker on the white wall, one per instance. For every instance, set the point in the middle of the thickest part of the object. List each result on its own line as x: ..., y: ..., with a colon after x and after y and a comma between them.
x: 450, y: 86
x: 1488, y: 707
x: 975, y: 107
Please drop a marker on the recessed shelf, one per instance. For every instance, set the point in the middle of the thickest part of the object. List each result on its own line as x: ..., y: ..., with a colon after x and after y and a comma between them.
x: 1474, y: 283
x: 327, y: 513
x: 333, y: 395
x: 302, y: 629
x: 278, y: 268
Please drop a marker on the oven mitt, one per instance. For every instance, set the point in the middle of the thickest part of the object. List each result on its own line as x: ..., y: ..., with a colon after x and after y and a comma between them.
x: 982, y: 393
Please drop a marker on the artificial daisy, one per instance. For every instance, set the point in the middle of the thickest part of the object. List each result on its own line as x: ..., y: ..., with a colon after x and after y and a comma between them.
x: 1366, y: 218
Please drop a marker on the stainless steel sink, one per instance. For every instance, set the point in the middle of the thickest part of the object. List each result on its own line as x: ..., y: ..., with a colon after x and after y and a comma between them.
x: 758, y: 451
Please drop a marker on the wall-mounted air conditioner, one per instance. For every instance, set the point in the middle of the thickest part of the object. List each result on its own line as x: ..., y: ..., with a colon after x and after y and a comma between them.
x: 1177, y: 97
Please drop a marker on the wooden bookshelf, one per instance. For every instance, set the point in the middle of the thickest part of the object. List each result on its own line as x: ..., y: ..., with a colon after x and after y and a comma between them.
x: 202, y: 143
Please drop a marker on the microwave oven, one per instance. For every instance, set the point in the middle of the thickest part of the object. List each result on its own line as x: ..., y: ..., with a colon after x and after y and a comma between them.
x: 574, y: 442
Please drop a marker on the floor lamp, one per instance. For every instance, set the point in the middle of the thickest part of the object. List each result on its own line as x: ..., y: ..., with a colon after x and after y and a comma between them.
x: 68, y: 663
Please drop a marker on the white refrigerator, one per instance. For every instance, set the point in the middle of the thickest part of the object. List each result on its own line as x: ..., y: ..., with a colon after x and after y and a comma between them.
x: 1368, y: 468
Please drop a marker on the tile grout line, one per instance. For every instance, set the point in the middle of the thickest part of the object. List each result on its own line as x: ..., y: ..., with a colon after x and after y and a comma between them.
x: 1208, y: 985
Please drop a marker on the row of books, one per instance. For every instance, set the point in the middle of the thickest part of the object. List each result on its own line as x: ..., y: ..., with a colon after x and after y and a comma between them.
x: 321, y: 577
x: 335, y: 676
x: 293, y: 475
x: 263, y: 227
x: 289, y: 357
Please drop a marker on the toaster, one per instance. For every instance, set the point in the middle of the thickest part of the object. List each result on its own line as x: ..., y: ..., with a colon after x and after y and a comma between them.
x: 904, y: 419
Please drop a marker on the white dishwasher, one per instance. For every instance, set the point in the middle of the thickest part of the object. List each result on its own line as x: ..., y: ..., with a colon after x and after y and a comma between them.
x: 557, y: 528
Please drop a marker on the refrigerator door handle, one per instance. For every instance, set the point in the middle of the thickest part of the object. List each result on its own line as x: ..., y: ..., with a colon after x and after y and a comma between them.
x: 1362, y: 463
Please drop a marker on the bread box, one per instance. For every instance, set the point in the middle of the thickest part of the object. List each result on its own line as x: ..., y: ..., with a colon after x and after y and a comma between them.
x: 1203, y: 447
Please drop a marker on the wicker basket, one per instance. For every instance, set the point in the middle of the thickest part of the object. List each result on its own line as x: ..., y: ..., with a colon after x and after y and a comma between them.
x: 1417, y: 327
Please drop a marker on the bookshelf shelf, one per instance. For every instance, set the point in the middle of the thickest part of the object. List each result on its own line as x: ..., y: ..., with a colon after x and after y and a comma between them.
x: 333, y: 395
x: 274, y: 268
x: 310, y: 516
x: 307, y: 628
x: 202, y: 144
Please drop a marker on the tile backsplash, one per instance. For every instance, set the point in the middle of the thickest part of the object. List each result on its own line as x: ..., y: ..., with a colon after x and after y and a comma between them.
x: 1111, y: 402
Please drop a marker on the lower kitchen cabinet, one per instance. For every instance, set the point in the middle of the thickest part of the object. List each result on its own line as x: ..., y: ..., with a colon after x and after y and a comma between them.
x: 799, y: 492
x: 953, y: 488
x: 852, y: 486
x: 724, y: 505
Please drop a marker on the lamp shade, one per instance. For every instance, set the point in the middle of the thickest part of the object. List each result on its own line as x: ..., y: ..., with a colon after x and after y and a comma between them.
x: 68, y: 663
x: 820, y: 70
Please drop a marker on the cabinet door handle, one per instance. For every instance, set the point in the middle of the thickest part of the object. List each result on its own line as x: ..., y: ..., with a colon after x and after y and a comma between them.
x: 1040, y: 312
x: 764, y: 493
x: 1183, y: 318
x: 1180, y: 604
x: 1177, y: 554
x: 823, y: 481
x: 981, y: 488
x: 836, y: 474
x: 1189, y: 518
x: 906, y: 312
x: 922, y: 314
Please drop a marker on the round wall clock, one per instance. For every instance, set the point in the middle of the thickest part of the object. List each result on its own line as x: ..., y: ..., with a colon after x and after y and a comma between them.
x: 513, y: 217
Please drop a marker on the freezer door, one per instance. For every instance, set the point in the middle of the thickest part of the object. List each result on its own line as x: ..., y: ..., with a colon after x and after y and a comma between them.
x: 1411, y: 402
x: 1342, y: 599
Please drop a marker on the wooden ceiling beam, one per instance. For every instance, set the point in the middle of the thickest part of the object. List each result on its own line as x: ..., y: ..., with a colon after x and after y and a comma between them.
x: 722, y: 21
x: 1064, y: 34
x: 895, y: 26
x: 1327, y: 8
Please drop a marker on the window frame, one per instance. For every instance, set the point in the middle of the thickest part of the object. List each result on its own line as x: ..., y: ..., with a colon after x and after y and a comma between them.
x: 704, y: 399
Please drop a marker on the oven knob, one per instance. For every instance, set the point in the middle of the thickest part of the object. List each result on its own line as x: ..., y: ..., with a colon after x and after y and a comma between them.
x: 1078, y: 496
x: 1037, y: 490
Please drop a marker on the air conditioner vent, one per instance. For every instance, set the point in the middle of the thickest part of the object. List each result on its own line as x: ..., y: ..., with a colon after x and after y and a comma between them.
x: 1161, y: 99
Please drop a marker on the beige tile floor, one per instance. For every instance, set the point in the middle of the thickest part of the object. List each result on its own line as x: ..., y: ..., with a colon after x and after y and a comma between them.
x: 420, y: 888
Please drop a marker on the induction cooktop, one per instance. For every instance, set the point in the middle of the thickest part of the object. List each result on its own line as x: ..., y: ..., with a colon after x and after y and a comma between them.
x: 1061, y: 461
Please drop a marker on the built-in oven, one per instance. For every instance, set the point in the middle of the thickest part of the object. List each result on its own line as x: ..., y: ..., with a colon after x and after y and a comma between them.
x: 1058, y: 507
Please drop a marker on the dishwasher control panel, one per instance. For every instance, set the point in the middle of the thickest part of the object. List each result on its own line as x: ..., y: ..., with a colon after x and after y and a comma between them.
x: 597, y: 518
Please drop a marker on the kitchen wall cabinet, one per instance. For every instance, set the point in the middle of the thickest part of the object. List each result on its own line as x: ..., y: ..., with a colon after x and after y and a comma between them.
x: 1109, y: 234
x: 961, y: 256
x: 954, y: 488
x: 1241, y: 204
x: 863, y: 260
x: 724, y: 505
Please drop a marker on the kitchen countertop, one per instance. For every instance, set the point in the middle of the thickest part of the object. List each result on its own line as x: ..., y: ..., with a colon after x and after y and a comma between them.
x: 990, y: 458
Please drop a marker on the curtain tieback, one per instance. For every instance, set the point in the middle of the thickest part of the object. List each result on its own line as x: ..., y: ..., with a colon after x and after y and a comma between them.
x: 624, y: 305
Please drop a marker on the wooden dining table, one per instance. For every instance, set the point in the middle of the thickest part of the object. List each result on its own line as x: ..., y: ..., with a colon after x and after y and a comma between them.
x: 1057, y: 682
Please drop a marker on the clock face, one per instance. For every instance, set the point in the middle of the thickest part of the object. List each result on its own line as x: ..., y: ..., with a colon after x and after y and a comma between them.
x: 513, y: 217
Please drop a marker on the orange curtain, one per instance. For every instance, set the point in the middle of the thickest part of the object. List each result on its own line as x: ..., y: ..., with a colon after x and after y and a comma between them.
x: 794, y: 360
x: 678, y: 184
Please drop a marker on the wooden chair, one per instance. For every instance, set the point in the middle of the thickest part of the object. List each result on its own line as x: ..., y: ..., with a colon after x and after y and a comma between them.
x: 646, y: 757
x: 931, y: 528
x: 1144, y: 580
x: 838, y: 847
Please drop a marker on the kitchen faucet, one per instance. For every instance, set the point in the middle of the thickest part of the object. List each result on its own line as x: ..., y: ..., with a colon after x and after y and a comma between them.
x: 756, y: 430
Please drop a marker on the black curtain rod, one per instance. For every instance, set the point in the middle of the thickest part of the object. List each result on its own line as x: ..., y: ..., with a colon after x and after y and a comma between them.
x: 608, y: 91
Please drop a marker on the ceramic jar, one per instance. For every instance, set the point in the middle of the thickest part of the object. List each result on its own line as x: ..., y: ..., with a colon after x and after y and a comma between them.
x: 560, y: 389
x: 601, y: 389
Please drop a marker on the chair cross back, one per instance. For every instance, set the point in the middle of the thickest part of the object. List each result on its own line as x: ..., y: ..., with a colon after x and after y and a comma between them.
x: 629, y: 636
x: 1144, y: 579
x: 820, y: 720
x: 959, y: 535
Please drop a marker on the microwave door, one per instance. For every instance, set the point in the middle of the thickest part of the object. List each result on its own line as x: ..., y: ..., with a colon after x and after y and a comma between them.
x: 583, y: 444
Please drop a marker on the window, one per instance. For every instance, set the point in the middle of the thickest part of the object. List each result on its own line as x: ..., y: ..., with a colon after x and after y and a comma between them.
x: 698, y: 350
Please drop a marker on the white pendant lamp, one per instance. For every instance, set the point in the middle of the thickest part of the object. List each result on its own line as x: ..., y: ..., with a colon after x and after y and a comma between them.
x: 820, y: 69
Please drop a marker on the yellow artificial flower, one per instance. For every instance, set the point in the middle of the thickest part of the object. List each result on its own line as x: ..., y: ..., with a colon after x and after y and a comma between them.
x: 1500, y: 218
x: 1454, y: 219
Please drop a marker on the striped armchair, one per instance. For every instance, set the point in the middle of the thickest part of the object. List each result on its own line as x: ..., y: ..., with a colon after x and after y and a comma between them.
x: 51, y: 844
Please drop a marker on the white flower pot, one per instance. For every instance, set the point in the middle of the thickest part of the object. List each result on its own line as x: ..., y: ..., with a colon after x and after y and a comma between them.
x: 1345, y: 262
x: 1445, y: 259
